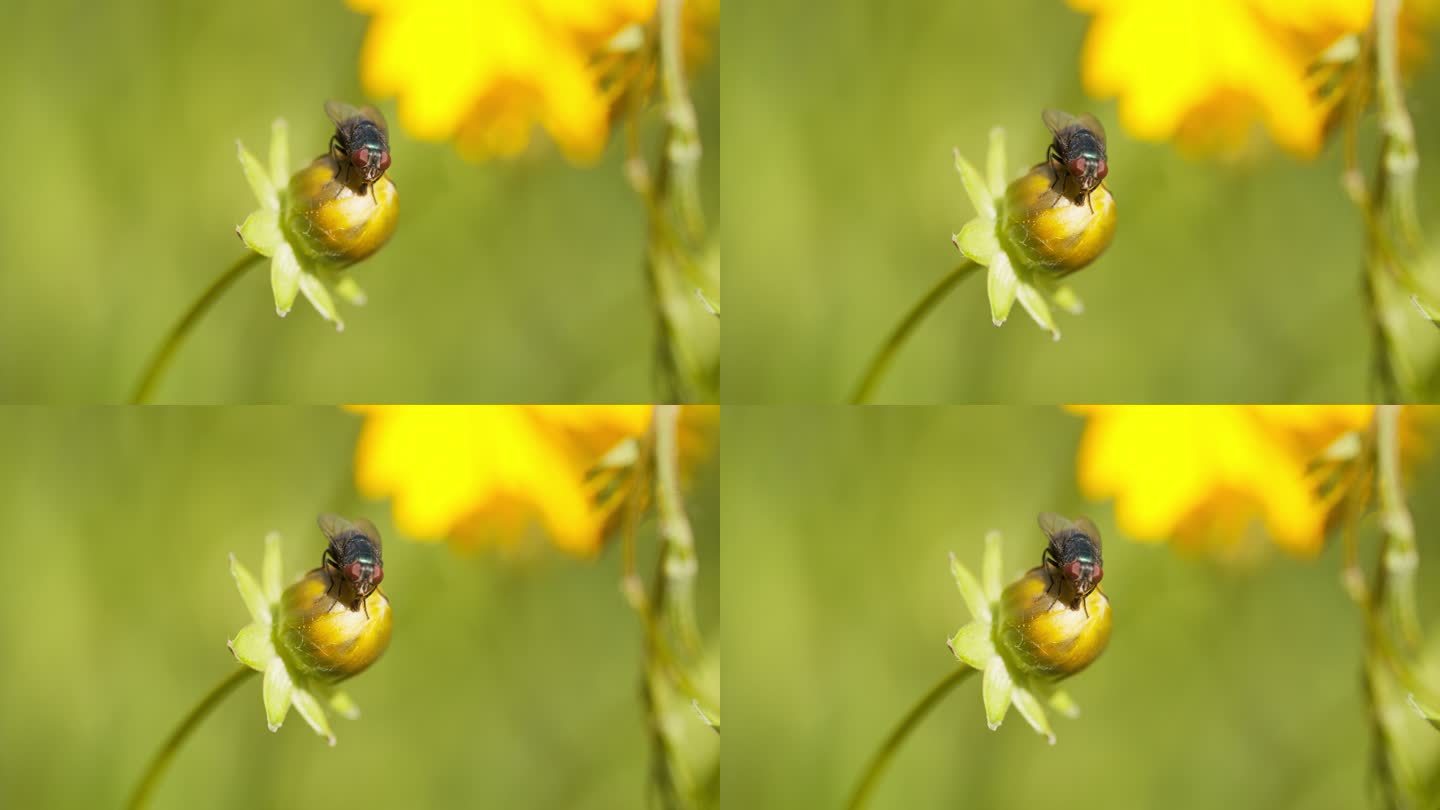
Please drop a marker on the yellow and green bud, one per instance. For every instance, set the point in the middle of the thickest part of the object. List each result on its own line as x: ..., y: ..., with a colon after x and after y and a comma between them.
x: 1031, y: 234
x: 1026, y: 638
x: 1044, y: 638
x: 312, y: 226
x: 305, y: 640
x: 1049, y: 229
x: 322, y: 638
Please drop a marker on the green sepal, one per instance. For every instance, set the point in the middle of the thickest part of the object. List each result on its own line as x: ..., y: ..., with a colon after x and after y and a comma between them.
x: 270, y: 567
x: 1001, y: 285
x: 973, y: 646
x: 285, y: 276
x: 1061, y: 702
x: 253, y: 646
x: 250, y: 592
x: 319, y: 297
x: 996, y: 688
x: 310, y: 709
x: 977, y: 241
x: 970, y: 590
x: 995, y: 163
x: 1065, y: 298
x: 990, y: 567
x: 342, y: 704
x: 277, y: 693
x: 1030, y: 708
x: 279, y: 153
x: 1034, y: 303
x: 348, y: 289
x: 259, y: 181
x: 1431, y: 715
x: 975, y: 188
x: 261, y: 231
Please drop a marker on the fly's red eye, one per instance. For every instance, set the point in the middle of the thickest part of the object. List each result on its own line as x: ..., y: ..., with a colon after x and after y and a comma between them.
x: 379, y: 575
x: 353, y: 571
x: 1102, y: 171
x: 360, y: 157
x: 384, y: 161
x: 1073, y: 569
x: 1077, y: 166
x: 1099, y: 574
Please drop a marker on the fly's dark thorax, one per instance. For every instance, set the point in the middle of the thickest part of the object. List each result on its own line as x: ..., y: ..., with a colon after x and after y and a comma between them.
x: 368, y: 135
x: 1086, y: 145
x: 1079, y: 547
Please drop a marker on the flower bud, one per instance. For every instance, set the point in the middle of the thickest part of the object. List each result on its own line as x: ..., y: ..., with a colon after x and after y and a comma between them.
x: 323, y: 639
x: 1049, y: 229
x: 1041, y: 636
x: 332, y: 222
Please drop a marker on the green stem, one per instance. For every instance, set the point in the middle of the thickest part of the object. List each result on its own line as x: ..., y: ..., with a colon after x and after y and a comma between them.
x: 892, y: 743
x: 1402, y: 159
x: 167, y: 751
x: 1400, y: 557
x: 683, y: 146
x: 680, y: 565
x: 162, y: 357
x: 881, y: 361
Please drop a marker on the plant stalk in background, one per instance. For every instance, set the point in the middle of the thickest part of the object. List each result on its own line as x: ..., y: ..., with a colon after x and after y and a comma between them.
x: 682, y: 261
x: 1394, y: 688
x: 679, y: 678
x: 1395, y: 279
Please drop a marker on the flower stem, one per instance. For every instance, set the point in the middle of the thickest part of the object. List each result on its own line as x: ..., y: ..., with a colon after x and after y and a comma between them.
x: 892, y: 743
x: 1400, y: 557
x: 897, y: 338
x: 162, y: 357
x: 680, y: 565
x: 167, y: 751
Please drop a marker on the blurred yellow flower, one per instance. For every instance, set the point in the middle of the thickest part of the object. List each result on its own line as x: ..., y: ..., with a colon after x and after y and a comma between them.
x: 485, y: 72
x: 1202, y: 476
x: 481, y: 475
x: 1202, y: 73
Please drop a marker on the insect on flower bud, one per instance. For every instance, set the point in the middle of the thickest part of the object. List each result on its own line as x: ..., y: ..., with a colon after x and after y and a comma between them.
x: 1054, y: 224
x: 1041, y: 635
x: 337, y: 222
x: 321, y: 637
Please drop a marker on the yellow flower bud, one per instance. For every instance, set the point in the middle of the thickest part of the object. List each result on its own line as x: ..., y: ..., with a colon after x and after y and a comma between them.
x: 1041, y: 636
x: 333, y: 222
x: 321, y: 637
x: 1049, y: 229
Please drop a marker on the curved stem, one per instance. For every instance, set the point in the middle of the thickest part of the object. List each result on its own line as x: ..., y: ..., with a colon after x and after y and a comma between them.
x: 897, y: 338
x: 892, y: 743
x: 167, y: 751
x: 178, y: 333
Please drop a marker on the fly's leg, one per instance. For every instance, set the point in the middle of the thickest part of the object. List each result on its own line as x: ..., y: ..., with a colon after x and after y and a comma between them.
x: 1046, y: 558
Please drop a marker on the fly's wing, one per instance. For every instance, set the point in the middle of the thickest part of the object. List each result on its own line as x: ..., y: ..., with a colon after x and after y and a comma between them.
x: 378, y: 117
x: 1087, y: 526
x: 340, y: 112
x: 334, y: 526
x: 368, y: 529
x: 1058, y: 121
x: 1091, y: 123
x: 1054, y: 526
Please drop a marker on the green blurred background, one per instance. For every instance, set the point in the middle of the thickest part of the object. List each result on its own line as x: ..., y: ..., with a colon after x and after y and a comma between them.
x: 505, y: 282
x: 1220, y: 688
x: 512, y: 681
x: 1226, y: 282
